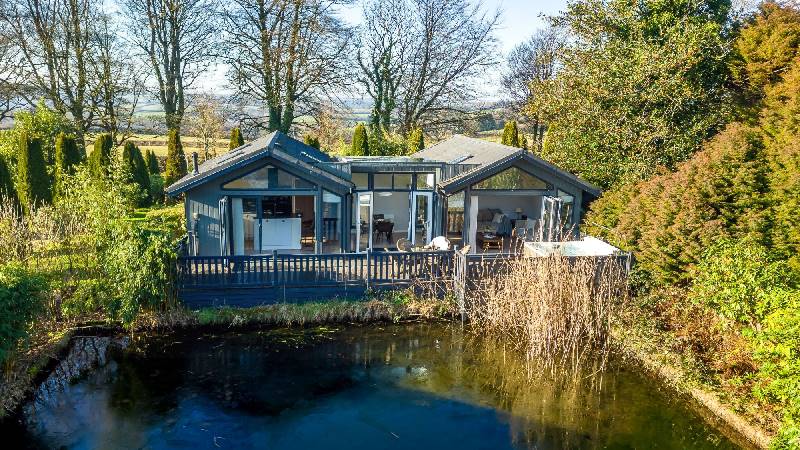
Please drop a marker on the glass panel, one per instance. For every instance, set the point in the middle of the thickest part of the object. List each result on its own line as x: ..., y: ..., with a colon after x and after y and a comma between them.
x: 382, y: 180
x: 364, y: 225
x: 287, y: 223
x: 361, y: 180
x: 423, y: 220
x: 402, y: 181
x: 512, y: 179
x: 567, y: 205
x: 425, y: 181
x: 455, y: 218
x: 245, y: 226
x: 268, y: 178
x: 276, y: 207
x: 331, y: 222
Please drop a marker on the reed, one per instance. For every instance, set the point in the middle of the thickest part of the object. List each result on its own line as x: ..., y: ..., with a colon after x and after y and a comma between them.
x: 558, y: 311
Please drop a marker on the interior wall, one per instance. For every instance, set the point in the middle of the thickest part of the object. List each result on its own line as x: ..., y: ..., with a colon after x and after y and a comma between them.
x: 531, y: 204
x: 396, y: 205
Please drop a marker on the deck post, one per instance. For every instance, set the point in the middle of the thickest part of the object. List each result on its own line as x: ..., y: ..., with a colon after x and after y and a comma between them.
x: 369, y: 267
x: 274, y: 267
x: 318, y: 221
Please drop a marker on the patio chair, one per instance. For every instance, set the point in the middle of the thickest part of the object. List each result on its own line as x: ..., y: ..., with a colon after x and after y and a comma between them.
x: 439, y: 243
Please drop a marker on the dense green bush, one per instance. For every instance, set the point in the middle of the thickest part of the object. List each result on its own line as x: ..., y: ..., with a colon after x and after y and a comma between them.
x: 6, y: 181
x: 360, y: 145
x: 20, y: 302
x: 135, y: 169
x: 511, y: 134
x: 237, y: 140
x: 416, y: 141
x: 152, y: 163
x: 312, y: 141
x: 739, y: 281
x: 100, y: 159
x: 33, y: 181
x: 176, y: 165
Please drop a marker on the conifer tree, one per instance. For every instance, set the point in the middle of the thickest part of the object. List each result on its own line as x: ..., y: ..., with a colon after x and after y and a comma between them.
x: 524, y: 144
x: 66, y: 158
x: 416, y: 140
x: 237, y: 140
x: 7, y: 182
x: 140, y: 173
x: 33, y: 181
x: 100, y: 158
x: 511, y: 134
x: 360, y: 141
x: 311, y: 141
x: 152, y: 163
x: 175, y: 167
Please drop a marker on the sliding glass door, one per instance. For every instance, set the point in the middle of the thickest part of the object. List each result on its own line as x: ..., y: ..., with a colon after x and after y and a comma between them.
x: 364, y: 222
x: 422, y: 224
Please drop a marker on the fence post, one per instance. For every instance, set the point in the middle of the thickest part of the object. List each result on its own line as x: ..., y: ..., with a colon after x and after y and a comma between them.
x: 274, y: 267
x: 369, y: 267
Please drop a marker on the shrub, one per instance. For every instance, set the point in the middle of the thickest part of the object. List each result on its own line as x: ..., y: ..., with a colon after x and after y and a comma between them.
x: 152, y: 163
x: 739, y: 281
x: 237, y: 140
x: 176, y: 166
x: 416, y: 140
x: 20, y: 303
x: 135, y: 168
x: 33, y: 181
x: 6, y: 182
x: 511, y: 134
x: 311, y: 141
x: 100, y: 158
x: 360, y: 145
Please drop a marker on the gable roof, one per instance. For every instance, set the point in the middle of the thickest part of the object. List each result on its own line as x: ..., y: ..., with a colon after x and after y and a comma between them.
x: 465, y: 150
x: 490, y: 158
x: 312, y: 163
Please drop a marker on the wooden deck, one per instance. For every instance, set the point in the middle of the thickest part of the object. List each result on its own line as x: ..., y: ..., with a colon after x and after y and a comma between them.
x: 246, y: 281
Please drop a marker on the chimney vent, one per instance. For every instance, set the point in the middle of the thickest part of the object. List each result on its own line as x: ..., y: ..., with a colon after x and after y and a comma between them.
x: 194, y: 162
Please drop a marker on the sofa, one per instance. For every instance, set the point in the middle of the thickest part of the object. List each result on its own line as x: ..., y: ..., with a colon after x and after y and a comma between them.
x: 493, y: 220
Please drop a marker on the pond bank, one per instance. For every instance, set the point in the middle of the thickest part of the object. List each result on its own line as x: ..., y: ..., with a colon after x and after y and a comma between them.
x: 644, y: 352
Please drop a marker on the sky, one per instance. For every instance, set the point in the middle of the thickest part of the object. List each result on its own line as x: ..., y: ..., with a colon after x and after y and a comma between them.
x: 519, y: 19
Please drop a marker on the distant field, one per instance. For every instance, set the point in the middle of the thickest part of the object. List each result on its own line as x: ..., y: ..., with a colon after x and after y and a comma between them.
x: 158, y: 144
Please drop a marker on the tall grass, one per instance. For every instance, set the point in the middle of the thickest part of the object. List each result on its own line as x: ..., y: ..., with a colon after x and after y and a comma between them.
x: 557, y: 310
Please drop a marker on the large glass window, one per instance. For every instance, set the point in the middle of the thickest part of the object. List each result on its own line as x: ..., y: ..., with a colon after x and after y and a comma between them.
x: 455, y: 218
x: 425, y: 181
x: 402, y: 181
x: 512, y: 179
x: 268, y: 177
x: 361, y: 180
x: 331, y: 222
x: 382, y: 180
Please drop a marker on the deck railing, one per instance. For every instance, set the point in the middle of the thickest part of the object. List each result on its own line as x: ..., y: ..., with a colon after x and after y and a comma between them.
x: 369, y: 269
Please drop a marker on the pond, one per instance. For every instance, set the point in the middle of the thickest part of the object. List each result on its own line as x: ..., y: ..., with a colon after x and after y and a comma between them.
x: 390, y: 387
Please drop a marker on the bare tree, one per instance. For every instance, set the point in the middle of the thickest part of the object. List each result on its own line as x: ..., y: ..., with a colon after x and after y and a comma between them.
x: 206, y: 123
x: 532, y: 63
x: 384, y: 46
x: 421, y: 59
x: 178, y: 40
x: 117, y: 82
x: 53, y: 39
x: 286, y: 55
x: 12, y: 89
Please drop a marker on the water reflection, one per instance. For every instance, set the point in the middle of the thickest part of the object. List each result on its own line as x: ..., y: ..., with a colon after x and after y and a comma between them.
x: 420, y: 386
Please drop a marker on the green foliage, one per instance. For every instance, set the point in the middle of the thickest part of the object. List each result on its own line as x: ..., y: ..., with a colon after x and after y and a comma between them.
x: 21, y: 300
x: 511, y: 134
x: 416, y: 141
x: 176, y: 166
x: 7, y: 182
x: 152, y: 163
x: 44, y: 124
x: 156, y: 188
x: 360, y: 145
x: 33, y: 181
x: 311, y: 141
x: 669, y: 220
x: 739, y: 281
x: 387, y: 144
x: 100, y: 159
x: 767, y: 46
x: 237, y: 140
x: 641, y: 87
x: 68, y: 155
x: 135, y: 169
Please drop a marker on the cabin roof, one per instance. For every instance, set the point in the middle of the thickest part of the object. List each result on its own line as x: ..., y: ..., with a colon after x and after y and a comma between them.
x: 490, y: 158
x: 314, y: 164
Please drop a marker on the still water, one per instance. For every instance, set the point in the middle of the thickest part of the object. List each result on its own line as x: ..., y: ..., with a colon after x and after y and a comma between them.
x: 371, y: 387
